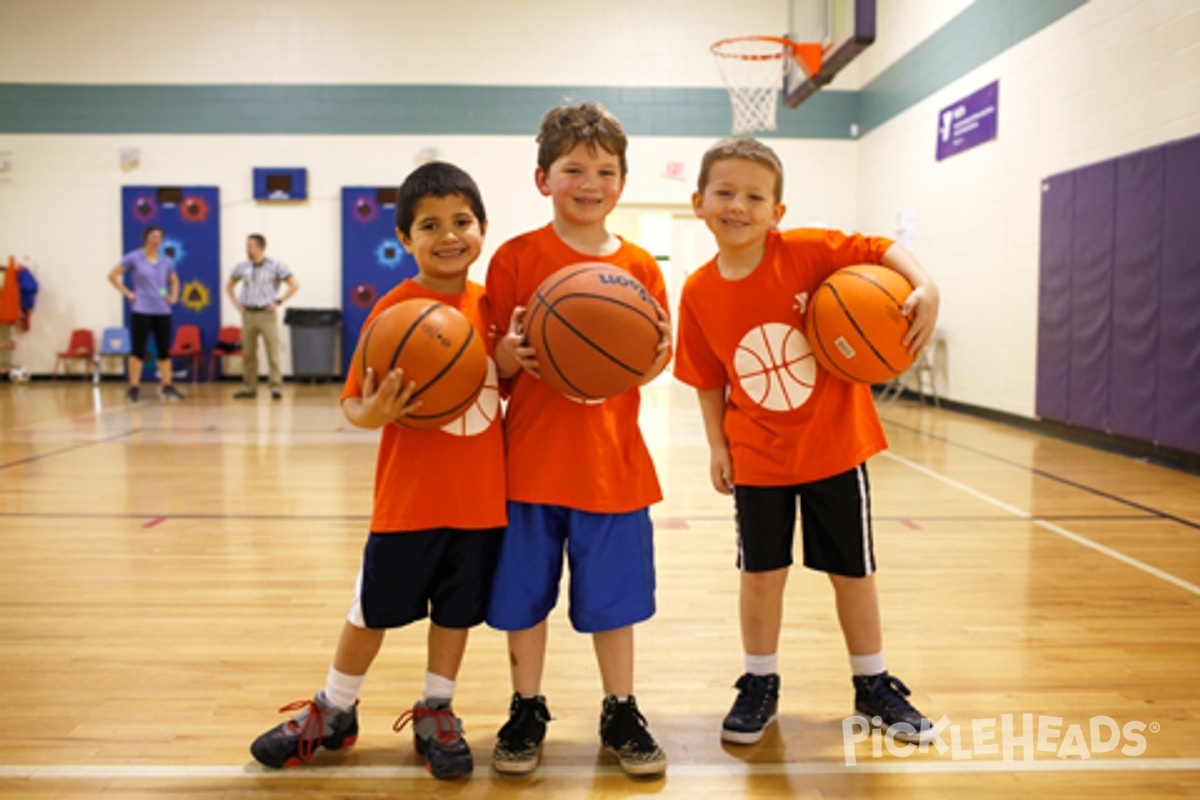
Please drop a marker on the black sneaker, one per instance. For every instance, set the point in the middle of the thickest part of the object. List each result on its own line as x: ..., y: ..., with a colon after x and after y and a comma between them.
x: 519, y: 742
x: 754, y: 709
x: 437, y: 735
x: 318, y: 724
x: 132, y: 394
x: 276, y: 393
x: 881, y: 699
x: 169, y: 392
x: 244, y: 394
x: 624, y: 733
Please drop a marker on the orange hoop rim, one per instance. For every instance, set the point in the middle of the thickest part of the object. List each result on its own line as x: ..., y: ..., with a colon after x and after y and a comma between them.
x: 807, y: 55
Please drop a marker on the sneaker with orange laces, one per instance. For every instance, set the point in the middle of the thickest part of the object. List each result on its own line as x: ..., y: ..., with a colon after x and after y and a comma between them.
x: 318, y: 724
x: 438, y: 735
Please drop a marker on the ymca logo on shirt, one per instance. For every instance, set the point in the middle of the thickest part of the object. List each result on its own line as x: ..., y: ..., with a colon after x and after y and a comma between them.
x: 775, y: 366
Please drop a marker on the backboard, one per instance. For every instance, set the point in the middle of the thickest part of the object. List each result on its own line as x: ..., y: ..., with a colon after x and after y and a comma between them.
x: 843, y: 27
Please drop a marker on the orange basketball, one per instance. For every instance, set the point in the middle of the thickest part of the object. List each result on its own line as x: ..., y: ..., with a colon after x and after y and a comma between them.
x: 437, y: 347
x: 855, y: 326
x: 594, y: 328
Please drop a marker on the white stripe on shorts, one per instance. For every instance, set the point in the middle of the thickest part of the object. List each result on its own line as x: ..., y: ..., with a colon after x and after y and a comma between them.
x: 864, y: 510
x: 355, y: 615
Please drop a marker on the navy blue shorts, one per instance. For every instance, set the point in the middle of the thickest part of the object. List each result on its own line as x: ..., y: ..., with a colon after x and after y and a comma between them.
x: 611, y: 557
x: 835, y: 521
x: 443, y: 573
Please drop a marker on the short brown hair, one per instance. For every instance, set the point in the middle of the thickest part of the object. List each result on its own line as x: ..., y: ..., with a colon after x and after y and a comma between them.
x: 746, y: 148
x: 565, y: 127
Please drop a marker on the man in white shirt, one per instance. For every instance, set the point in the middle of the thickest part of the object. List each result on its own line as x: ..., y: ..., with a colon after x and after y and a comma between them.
x: 259, y: 301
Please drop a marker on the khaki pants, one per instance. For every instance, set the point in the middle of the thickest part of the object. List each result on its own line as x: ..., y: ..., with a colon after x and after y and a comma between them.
x: 254, y: 325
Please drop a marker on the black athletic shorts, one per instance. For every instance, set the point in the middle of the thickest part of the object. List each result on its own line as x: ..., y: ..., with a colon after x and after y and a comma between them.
x: 142, y: 325
x: 835, y: 520
x: 443, y: 573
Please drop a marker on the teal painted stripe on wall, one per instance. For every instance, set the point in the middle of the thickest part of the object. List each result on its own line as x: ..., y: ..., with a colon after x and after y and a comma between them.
x: 376, y: 109
x: 981, y: 32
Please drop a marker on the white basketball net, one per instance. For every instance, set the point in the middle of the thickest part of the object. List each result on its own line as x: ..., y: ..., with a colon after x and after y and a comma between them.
x: 753, y: 74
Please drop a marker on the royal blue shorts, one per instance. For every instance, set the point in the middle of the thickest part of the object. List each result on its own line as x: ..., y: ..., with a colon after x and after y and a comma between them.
x: 611, y: 557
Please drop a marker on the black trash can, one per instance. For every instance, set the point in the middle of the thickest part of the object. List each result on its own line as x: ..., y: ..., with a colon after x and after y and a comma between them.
x: 314, y: 342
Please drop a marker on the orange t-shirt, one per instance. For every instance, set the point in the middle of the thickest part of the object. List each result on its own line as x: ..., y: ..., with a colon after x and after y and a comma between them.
x: 586, y: 456
x: 448, y: 477
x: 787, y: 420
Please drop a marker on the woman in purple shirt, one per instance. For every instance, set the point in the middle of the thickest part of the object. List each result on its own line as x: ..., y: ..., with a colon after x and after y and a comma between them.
x: 155, y: 290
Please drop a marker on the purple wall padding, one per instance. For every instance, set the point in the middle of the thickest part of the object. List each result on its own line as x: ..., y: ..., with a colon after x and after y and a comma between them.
x: 1091, y: 294
x: 1054, y: 298
x: 1137, y: 276
x: 1178, y: 422
x: 1119, y: 313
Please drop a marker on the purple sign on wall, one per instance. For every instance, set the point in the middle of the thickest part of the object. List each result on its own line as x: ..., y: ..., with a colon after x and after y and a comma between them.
x: 968, y: 122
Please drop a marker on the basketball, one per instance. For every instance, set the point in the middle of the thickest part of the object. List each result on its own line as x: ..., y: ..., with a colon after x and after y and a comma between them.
x: 594, y: 328
x: 855, y: 326
x: 437, y: 347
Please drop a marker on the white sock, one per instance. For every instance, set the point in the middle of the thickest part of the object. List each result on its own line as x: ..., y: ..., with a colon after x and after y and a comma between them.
x: 438, y: 688
x: 341, y: 690
x: 762, y: 665
x: 871, y: 664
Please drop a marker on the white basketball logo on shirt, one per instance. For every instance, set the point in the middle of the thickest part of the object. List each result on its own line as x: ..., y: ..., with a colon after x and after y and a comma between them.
x: 775, y: 366
x: 481, y: 413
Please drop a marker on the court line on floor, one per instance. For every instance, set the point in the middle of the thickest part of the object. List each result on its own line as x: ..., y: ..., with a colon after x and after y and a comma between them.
x: 70, y: 449
x: 1050, y: 526
x: 1049, y: 475
x: 914, y: 766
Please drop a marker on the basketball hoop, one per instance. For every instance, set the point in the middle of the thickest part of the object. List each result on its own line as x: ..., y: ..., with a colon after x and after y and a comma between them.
x: 752, y: 68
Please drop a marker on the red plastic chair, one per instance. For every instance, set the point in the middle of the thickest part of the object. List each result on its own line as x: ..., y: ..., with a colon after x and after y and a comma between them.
x: 229, y: 343
x: 187, y: 345
x: 82, y: 347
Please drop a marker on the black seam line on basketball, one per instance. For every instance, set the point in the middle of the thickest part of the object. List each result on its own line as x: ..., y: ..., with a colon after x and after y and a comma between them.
x: 448, y: 365
x: 551, y: 310
x: 581, y: 271
x: 470, y: 399
x: 854, y: 322
x: 606, y: 298
x: 851, y: 273
x: 549, y: 351
x: 830, y: 363
x: 408, y: 334
x: 365, y: 346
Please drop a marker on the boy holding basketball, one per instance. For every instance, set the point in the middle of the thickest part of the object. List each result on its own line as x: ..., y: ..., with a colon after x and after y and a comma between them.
x: 438, y: 512
x: 580, y: 477
x: 808, y: 440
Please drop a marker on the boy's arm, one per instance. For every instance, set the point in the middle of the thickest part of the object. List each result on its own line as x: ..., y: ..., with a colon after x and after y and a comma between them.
x: 512, y: 353
x: 376, y: 408
x: 663, y: 354
x: 720, y: 465
x: 922, y: 304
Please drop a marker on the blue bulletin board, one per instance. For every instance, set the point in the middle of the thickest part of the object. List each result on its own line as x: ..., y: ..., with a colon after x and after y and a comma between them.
x: 373, y: 260
x: 190, y: 219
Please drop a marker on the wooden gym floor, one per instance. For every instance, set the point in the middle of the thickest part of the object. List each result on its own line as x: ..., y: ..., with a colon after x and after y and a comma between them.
x: 173, y: 573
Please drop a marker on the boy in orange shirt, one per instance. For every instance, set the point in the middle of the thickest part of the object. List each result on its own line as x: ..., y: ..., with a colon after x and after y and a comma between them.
x: 438, y: 512
x: 807, y: 438
x: 579, y: 475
